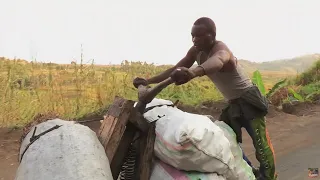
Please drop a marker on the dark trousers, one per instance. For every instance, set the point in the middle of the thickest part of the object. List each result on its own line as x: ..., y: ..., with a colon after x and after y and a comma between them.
x: 257, y: 130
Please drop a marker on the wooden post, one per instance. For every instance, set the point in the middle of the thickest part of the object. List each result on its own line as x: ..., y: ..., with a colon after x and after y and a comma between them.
x: 145, y: 159
x: 119, y: 157
x: 113, y: 125
x: 116, y: 133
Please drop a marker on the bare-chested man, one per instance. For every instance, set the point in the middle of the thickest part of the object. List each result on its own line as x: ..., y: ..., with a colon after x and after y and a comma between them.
x: 246, y: 108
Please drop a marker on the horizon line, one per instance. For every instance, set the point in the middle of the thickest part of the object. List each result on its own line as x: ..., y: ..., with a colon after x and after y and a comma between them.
x: 156, y: 64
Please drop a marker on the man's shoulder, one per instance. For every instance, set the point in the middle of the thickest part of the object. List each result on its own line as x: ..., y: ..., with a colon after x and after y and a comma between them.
x: 219, y: 45
x: 193, y: 52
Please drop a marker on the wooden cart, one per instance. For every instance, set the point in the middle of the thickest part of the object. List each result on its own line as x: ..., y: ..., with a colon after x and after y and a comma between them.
x: 122, y: 123
x: 119, y: 127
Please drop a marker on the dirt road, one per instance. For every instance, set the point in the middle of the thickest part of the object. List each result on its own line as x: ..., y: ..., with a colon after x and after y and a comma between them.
x: 296, y: 144
x: 294, y: 165
x: 294, y: 139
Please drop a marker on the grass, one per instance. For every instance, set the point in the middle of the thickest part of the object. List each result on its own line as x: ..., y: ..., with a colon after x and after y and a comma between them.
x: 303, y: 88
x: 75, y: 90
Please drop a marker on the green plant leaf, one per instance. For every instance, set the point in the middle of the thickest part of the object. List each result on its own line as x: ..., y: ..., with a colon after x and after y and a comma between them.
x: 311, y: 95
x: 257, y: 79
x: 296, y: 95
x: 276, y: 86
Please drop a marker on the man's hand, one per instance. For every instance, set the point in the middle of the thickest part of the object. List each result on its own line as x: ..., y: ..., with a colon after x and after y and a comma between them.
x: 182, y: 75
x: 139, y: 81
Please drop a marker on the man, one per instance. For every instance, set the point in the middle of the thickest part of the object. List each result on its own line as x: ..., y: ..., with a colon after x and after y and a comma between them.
x: 246, y: 106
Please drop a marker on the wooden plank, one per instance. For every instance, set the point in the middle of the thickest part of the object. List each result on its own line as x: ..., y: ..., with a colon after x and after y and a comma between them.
x: 122, y: 150
x: 145, y: 160
x: 113, y: 125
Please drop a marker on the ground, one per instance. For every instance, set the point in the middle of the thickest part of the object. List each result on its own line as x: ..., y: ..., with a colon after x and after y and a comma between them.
x: 293, y: 137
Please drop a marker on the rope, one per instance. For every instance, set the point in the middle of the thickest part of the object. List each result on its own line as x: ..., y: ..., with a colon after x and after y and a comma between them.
x: 36, y: 137
x: 171, y: 105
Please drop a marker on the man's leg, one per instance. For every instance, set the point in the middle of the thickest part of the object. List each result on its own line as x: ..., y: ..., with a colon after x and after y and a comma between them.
x: 245, y: 157
x: 254, y: 169
x: 264, y: 150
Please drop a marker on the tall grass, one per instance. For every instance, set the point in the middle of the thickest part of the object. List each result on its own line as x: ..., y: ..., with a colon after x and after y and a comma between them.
x: 76, y: 89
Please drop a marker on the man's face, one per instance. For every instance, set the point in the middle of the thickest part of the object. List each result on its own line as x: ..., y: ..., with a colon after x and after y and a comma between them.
x: 201, y: 38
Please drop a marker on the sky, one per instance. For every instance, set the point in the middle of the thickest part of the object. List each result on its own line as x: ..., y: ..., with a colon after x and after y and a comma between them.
x: 154, y: 31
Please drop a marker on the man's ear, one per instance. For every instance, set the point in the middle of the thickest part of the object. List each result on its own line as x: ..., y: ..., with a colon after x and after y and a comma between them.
x: 213, y: 36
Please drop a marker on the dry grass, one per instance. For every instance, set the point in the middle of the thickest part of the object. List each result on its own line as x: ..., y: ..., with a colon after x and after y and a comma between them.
x: 75, y: 90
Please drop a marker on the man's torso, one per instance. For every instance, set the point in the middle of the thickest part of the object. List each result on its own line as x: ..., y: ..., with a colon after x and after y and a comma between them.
x: 231, y: 80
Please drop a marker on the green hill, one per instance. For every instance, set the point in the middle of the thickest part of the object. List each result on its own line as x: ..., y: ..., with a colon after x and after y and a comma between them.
x: 294, y: 65
x: 285, y: 66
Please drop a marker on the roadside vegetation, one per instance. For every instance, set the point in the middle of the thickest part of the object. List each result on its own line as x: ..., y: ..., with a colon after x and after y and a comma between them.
x: 76, y: 89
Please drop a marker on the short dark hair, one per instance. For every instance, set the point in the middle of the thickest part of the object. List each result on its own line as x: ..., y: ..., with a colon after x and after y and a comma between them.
x: 210, y: 25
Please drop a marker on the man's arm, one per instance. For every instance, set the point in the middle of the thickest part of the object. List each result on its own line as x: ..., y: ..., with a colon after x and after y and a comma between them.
x: 187, y: 62
x: 213, y: 64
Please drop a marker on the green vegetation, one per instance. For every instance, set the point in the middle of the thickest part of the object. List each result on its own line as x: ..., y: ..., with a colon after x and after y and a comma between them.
x: 74, y: 90
x: 257, y: 79
x: 304, y: 88
x: 309, y: 83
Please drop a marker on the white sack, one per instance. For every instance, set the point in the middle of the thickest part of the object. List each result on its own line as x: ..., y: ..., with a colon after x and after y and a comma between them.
x: 163, y: 171
x: 189, y: 141
x: 71, y: 152
x: 192, y: 142
x: 243, y: 170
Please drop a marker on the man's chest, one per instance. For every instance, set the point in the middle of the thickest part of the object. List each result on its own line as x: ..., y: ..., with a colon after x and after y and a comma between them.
x: 203, y: 57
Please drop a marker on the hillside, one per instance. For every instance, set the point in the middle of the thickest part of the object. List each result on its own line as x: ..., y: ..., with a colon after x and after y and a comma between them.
x: 294, y: 65
x: 284, y: 66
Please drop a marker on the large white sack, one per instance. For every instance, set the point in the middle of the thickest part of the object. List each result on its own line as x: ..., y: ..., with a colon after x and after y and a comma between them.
x: 71, y: 152
x: 190, y: 142
x: 163, y: 171
x: 242, y: 168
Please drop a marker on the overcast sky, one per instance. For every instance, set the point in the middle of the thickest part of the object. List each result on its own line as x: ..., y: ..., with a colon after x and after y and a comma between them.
x: 155, y: 31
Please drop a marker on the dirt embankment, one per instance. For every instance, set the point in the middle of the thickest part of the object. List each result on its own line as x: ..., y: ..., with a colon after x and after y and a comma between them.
x: 215, y: 108
x: 287, y: 132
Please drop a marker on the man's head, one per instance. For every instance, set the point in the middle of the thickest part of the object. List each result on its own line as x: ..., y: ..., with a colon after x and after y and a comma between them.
x: 203, y: 33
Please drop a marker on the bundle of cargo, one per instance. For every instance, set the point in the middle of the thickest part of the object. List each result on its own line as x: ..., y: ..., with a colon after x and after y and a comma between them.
x: 187, y: 146
x: 163, y: 171
x: 191, y: 145
x: 58, y: 150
